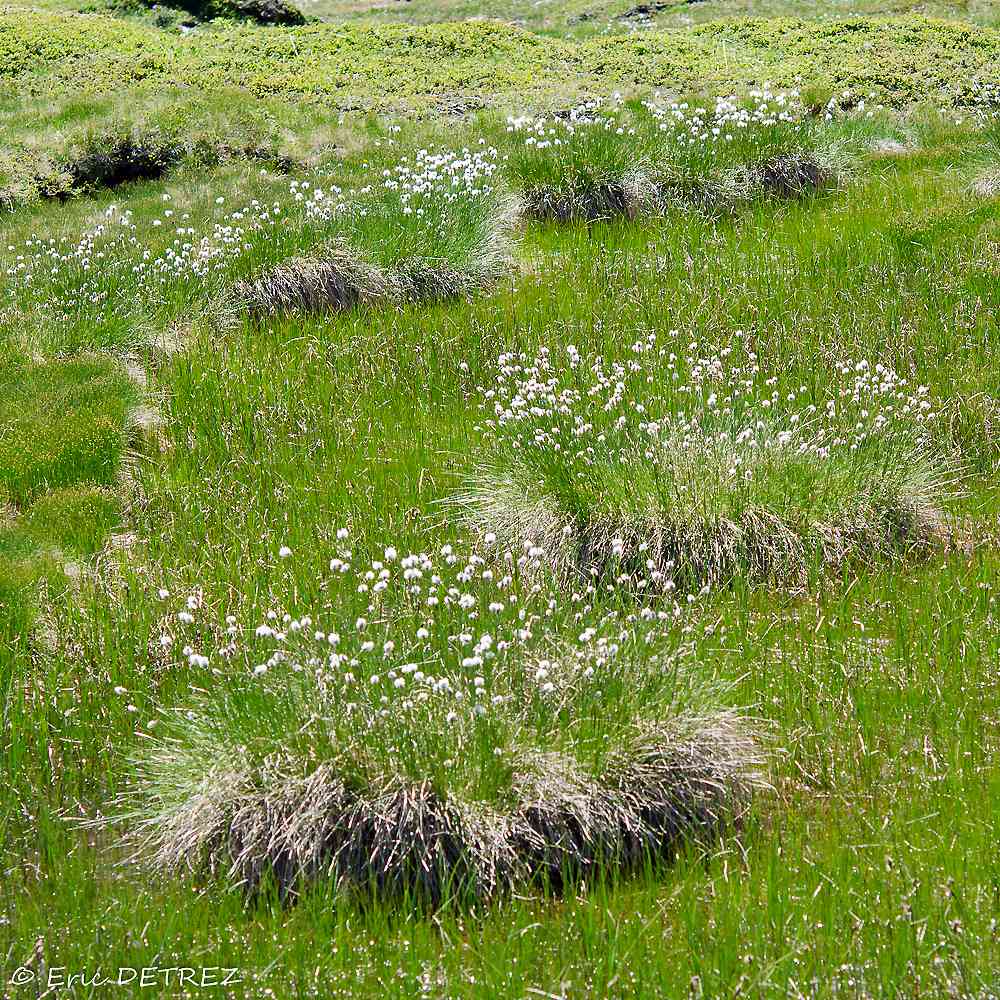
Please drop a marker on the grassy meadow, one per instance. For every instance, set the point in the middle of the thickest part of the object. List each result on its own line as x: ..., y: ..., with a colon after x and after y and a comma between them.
x: 501, y: 511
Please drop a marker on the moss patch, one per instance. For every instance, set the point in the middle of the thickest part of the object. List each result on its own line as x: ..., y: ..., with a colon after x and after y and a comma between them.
x: 63, y: 422
x: 76, y: 518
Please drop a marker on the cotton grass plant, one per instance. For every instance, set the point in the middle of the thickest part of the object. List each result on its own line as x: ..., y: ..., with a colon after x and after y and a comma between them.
x: 664, y: 474
x: 443, y: 743
x: 431, y: 228
x: 434, y: 225
x: 608, y: 159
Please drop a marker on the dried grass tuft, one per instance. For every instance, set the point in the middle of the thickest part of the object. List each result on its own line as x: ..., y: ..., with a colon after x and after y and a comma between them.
x: 987, y: 183
x: 791, y: 175
x: 331, y: 278
x: 784, y: 176
x: 694, y: 534
x: 667, y: 783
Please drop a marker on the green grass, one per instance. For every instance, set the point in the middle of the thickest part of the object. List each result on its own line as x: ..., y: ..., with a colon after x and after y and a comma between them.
x: 73, y: 147
x: 63, y: 423
x: 64, y: 430
x: 868, y: 868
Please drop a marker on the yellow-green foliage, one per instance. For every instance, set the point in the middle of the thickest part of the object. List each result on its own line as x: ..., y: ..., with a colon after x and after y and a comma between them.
x: 72, y: 521
x: 900, y: 59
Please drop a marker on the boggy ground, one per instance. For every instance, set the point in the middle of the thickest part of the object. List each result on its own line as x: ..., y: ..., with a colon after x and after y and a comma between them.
x: 161, y: 470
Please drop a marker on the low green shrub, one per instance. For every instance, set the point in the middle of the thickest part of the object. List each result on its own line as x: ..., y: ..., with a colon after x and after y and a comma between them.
x: 259, y: 11
x: 189, y: 12
x: 25, y: 178
x: 108, y: 159
x: 899, y: 61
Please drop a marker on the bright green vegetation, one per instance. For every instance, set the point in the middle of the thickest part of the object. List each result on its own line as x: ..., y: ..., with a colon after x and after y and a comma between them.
x: 587, y: 18
x: 77, y: 518
x: 182, y: 478
x: 63, y: 423
x: 63, y: 432
x: 572, y: 18
x: 464, y: 66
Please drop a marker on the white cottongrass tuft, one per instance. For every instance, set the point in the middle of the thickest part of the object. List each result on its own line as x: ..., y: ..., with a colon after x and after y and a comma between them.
x: 437, y: 743
x: 661, y: 473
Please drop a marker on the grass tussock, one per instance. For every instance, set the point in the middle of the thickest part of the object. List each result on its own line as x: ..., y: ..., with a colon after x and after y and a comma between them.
x: 336, y: 277
x: 985, y: 165
x: 328, y: 279
x: 986, y: 176
x: 402, y: 756
x: 631, y: 490
x: 629, y: 160
x: 437, y: 228
x: 681, y: 522
x: 987, y: 183
x: 299, y: 820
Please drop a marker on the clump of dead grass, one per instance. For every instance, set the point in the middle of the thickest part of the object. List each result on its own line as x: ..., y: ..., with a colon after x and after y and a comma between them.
x: 210, y: 806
